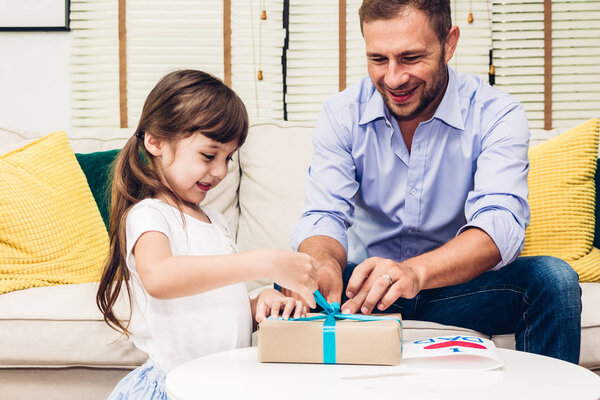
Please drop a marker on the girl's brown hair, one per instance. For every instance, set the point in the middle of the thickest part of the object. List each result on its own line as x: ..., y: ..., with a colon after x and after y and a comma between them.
x: 182, y: 103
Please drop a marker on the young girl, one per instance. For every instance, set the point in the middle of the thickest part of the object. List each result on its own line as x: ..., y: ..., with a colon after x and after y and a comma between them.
x: 176, y: 258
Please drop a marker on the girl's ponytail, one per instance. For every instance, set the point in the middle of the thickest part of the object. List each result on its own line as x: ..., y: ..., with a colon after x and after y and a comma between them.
x: 132, y: 181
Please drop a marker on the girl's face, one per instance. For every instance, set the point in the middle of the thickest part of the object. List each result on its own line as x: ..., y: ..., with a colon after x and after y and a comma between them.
x: 192, y: 166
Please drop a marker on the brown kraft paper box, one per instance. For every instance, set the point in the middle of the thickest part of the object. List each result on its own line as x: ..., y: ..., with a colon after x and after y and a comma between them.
x: 356, y: 342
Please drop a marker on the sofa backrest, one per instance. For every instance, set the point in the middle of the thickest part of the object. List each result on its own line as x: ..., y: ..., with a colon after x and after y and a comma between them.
x: 273, y: 164
x: 262, y: 197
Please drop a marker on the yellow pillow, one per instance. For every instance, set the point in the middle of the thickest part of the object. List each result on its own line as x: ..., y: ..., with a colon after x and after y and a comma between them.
x: 562, y: 200
x: 51, y: 231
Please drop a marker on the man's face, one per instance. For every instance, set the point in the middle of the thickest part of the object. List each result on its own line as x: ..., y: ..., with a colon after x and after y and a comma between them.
x: 407, y: 64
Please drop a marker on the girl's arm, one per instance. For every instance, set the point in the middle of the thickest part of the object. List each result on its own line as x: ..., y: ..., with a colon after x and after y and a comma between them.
x: 165, y: 276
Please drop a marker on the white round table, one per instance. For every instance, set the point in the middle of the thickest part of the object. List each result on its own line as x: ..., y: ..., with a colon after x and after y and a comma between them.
x: 237, y: 374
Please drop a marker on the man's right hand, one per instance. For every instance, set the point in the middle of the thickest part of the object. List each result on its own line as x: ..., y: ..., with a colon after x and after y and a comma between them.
x: 331, y: 256
x: 329, y: 280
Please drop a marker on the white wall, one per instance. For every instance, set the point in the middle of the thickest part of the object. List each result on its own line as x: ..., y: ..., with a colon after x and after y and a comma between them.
x: 34, y: 81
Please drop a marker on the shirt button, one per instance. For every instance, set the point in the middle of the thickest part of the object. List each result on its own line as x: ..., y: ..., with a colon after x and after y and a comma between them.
x: 413, y: 191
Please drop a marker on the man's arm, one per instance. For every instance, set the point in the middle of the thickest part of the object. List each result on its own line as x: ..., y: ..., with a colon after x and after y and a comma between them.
x: 331, y: 257
x: 463, y: 258
x: 330, y: 190
x: 496, y: 211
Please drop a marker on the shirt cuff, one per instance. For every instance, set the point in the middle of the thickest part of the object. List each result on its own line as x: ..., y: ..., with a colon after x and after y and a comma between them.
x: 318, y: 224
x: 504, y: 230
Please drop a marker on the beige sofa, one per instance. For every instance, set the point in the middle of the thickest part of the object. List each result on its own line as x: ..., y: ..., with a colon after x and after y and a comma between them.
x: 53, y: 342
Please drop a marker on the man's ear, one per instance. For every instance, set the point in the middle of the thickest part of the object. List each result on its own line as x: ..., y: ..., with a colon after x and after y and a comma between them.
x: 152, y: 144
x: 451, y: 42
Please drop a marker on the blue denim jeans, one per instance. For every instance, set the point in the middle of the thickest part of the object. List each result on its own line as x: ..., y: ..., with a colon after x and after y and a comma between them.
x: 537, y: 298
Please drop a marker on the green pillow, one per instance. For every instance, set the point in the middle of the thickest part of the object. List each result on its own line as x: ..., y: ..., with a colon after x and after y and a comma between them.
x: 96, y: 167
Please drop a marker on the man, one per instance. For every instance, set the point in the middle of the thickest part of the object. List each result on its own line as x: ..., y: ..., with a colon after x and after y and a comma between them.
x: 420, y: 177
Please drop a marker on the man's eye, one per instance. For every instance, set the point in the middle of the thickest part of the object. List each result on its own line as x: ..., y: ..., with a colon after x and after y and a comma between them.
x: 208, y: 156
x: 413, y: 59
x: 378, y: 60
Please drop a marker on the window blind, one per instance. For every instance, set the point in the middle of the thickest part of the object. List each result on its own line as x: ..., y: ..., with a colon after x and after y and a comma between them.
x: 312, y: 57
x: 165, y: 35
x: 519, y: 58
x: 356, y: 59
x: 258, y: 44
x: 575, y: 61
x: 472, y: 52
x: 518, y: 41
x: 94, y: 63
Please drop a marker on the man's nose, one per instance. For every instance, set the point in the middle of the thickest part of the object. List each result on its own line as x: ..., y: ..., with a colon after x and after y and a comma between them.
x: 396, y: 75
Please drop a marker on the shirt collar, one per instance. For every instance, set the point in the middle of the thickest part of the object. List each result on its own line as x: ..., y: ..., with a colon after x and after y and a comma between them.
x: 375, y: 107
x: 448, y: 111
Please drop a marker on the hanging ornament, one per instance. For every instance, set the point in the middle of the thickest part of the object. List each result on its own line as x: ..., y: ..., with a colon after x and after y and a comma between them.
x: 470, y: 16
x: 263, y: 17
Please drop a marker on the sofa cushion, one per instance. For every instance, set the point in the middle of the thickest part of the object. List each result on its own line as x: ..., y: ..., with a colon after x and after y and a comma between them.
x: 590, y: 326
x: 597, y: 228
x: 562, y: 200
x: 51, y: 231
x: 96, y: 167
x: 60, y: 326
x: 274, y: 162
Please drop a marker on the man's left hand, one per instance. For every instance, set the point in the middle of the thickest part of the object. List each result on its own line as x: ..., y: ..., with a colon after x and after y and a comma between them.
x: 379, y: 282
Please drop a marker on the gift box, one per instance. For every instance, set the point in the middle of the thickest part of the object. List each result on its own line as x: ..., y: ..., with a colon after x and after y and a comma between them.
x: 332, y: 338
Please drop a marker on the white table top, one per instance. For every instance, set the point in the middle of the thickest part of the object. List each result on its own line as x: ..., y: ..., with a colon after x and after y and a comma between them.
x: 237, y: 374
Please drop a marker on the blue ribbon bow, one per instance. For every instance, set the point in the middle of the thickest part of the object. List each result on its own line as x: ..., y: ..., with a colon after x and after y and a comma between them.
x: 332, y: 313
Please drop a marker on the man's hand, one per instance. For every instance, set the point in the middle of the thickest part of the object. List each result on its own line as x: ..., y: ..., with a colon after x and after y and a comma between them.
x: 379, y: 282
x: 331, y: 258
x: 329, y: 280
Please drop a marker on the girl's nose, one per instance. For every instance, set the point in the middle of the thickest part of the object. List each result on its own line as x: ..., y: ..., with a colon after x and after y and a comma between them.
x: 220, y: 171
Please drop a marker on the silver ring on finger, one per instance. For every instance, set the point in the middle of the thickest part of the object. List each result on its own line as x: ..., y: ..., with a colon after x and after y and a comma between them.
x: 389, y: 278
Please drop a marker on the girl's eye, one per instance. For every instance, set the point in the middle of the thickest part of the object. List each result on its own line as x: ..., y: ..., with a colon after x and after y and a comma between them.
x: 209, y: 157
x: 229, y: 159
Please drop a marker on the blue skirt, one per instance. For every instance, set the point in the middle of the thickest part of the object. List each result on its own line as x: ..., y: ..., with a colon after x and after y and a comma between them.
x: 143, y: 383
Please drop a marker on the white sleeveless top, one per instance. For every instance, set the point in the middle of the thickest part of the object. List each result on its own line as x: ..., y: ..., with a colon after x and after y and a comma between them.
x: 177, y: 330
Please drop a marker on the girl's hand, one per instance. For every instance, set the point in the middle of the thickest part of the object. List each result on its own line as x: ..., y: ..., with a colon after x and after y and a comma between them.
x: 291, y: 270
x: 271, y: 303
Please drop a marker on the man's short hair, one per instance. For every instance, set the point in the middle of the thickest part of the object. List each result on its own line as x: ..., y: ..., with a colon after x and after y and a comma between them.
x: 438, y: 12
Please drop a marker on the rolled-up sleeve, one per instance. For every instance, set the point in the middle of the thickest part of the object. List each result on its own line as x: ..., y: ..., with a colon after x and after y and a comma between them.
x: 331, y: 183
x: 498, y: 202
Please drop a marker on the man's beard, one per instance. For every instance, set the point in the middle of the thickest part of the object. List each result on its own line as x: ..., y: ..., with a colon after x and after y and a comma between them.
x: 438, y: 82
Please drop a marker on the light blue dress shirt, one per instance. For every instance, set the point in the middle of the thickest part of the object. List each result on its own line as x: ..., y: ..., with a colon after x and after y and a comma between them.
x: 467, y: 168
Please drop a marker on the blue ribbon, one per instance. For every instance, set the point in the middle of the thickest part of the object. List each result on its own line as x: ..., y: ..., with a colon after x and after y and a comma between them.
x: 332, y: 313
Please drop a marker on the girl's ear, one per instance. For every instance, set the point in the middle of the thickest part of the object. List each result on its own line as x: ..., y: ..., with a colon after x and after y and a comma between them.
x: 152, y: 144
